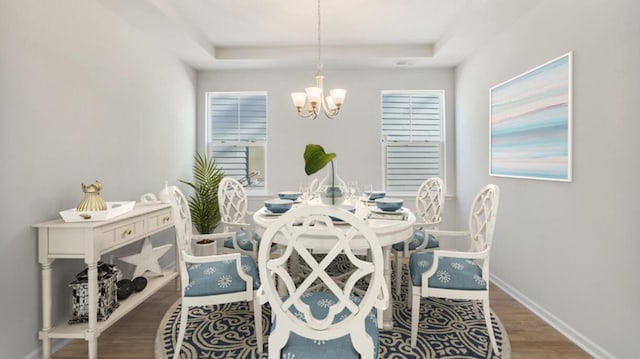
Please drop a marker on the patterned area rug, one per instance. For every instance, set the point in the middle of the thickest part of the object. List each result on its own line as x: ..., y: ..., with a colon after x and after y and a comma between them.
x: 447, y: 329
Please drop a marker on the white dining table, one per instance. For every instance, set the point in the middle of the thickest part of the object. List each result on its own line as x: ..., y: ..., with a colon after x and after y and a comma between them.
x: 388, y: 231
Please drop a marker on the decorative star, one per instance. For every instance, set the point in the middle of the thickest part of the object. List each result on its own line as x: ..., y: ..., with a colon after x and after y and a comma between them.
x: 147, y: 259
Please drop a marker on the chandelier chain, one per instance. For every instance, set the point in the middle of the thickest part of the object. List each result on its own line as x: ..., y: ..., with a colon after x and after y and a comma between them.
x: 319, y: 43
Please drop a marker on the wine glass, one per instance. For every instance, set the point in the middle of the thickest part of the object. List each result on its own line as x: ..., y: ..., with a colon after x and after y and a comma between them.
x: 305, y: 194
x: 366, y: 190
x: 354, y: 189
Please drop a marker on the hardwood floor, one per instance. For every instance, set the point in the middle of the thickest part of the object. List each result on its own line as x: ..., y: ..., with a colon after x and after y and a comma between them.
x: 133, y: 336
x: 530, y: 336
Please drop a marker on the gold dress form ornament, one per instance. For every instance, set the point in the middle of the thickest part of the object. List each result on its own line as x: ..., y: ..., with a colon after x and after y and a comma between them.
x: 92, y: 200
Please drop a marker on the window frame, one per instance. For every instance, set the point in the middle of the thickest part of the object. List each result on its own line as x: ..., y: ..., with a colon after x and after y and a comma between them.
x: 208, y: 144
x: 441, y: 144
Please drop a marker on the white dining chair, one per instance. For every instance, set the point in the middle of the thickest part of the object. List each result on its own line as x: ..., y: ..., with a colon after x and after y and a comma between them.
x: 212, y: 279
x: 458, y: 274
x: 429, y: 206
x: 233, y: 203
x: 336, y: 321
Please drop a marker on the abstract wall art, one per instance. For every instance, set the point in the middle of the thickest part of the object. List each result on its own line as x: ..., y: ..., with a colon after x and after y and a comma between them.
x: 530, y: 124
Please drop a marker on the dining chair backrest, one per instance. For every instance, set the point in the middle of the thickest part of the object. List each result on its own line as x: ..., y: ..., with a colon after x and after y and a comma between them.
x: 350, y: 307
x: 232, y: 200
x: 181, y: 220
x: 429, y: 205
x: 430, y: 201
x: 482, y: 217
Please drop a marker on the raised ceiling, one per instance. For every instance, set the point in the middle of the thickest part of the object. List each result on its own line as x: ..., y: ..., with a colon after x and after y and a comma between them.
x: 243, y: 34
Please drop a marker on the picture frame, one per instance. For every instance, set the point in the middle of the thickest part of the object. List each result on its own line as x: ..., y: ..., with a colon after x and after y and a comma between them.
x: 530, y: 123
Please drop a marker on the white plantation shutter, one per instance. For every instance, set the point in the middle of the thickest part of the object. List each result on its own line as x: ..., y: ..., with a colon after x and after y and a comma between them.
x: 412, y: 138
x: 236, y: 129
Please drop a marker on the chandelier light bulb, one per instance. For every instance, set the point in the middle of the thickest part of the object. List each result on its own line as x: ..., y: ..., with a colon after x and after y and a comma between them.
x: 299, y: 98
x: 338, y: 96
x: 314, y: 95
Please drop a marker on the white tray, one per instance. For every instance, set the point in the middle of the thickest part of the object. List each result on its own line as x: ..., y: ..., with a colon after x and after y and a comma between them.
x: 113, y: 209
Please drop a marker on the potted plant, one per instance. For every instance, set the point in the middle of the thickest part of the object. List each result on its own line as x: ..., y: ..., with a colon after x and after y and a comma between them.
x: 203, y: 204
x: 315, y: 159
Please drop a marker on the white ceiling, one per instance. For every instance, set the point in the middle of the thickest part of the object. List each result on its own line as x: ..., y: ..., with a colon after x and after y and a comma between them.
x: 242, y: 34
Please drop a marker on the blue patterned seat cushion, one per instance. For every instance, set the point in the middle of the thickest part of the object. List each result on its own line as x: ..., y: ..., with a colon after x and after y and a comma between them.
x: 243, y: 240
x: 452, y: 273
x: 220, y: 277
x: 418, y: 239
x: 301, y: 347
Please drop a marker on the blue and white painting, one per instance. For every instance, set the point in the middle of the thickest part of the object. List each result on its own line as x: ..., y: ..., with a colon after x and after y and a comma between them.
x: 531, y: 123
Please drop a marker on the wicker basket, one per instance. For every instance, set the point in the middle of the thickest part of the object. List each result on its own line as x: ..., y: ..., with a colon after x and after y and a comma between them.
x: 107, y: 294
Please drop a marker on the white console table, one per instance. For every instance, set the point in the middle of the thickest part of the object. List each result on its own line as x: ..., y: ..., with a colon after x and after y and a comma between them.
x: 88, y: 241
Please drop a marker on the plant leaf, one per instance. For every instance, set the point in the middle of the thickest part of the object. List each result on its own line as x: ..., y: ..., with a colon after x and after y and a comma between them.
x: 315, y: 158
x: 203, y: 204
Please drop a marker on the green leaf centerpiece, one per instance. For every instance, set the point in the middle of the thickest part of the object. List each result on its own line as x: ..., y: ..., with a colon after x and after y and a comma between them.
x: 315, y: 159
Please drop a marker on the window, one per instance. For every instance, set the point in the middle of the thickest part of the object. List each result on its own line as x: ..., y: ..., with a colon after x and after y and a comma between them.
x: 236, y: 128
x: 412, y: 138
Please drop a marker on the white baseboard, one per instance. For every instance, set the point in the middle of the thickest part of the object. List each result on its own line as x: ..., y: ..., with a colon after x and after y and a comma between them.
x: 576, y: 337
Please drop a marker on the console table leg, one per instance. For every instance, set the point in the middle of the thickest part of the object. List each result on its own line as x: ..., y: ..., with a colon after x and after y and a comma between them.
x: 46, y: 310
x: 93, y: 348
x: 92, y: 273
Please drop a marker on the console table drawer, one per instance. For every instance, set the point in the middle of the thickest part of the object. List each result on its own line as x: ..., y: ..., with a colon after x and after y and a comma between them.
x: 124, y: 233
x: 158, y: 221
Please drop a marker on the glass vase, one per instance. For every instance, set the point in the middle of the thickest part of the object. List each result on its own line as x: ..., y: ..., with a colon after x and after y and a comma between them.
x: 332, y: 189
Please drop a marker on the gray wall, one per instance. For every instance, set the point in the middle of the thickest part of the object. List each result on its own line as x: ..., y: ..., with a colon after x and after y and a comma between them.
x: 567, y: 250
x: 82, y: 97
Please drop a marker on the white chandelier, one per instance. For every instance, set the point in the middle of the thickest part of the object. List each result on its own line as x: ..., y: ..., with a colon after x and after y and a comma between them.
x: 310, y: 102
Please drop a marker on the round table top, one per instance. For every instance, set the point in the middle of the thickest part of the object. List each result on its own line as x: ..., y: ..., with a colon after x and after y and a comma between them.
x: 388, y: 231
